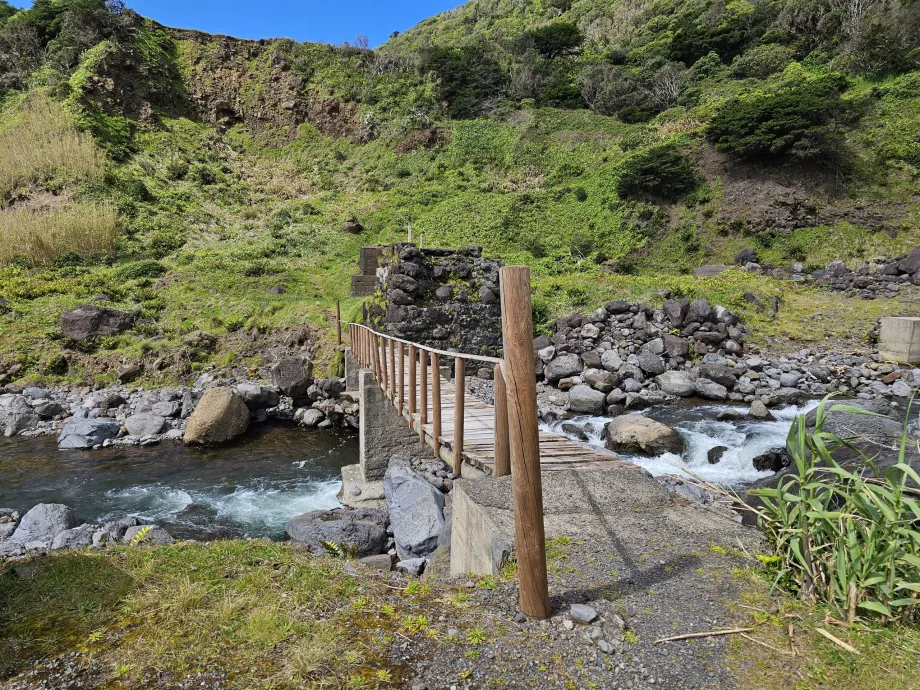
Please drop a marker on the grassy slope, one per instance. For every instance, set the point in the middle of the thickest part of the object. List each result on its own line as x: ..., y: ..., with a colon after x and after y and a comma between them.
x: 226, y: 216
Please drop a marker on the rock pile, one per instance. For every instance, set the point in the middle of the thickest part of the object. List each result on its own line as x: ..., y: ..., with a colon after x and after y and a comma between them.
x: 626, y: 356
x: 443, y: 298
x: 120, y: 415
x: 879, y: 278
x: 52, y: 527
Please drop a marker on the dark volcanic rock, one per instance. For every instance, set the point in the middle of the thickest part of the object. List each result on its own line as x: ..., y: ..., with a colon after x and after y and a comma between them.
x: 89, y: 321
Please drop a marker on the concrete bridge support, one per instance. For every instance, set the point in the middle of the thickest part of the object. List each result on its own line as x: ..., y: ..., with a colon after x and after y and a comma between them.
x: 899, y: 339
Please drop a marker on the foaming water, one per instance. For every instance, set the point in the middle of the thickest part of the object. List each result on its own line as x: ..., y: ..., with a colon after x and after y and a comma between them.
x: 247, y: 489
x: 702, y: 431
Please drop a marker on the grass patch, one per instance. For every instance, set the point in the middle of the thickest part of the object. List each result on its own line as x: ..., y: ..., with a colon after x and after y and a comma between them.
x: 41, y: 146
x: 44, y: 237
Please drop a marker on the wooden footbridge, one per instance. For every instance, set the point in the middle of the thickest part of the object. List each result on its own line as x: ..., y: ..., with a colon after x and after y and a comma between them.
x: 503, y: 438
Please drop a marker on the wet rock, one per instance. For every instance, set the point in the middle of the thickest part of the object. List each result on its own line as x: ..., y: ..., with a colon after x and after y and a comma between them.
x: 714, y: 455
x: 759, y: 411
x: 772, y: 461
x: 308, y: 417
x: 637, y: 434
x: 220, y: 416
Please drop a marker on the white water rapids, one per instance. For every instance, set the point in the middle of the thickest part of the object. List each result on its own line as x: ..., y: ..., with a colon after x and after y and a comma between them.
x: 702, y: 431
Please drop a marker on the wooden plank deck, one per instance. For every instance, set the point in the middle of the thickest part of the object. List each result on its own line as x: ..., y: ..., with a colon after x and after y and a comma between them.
x: 556, y: 452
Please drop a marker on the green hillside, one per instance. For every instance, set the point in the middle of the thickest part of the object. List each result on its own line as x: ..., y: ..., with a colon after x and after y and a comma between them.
x: 612, y: 145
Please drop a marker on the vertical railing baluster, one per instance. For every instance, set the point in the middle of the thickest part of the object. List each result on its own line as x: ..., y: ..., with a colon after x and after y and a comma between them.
x: 423, y: 393
x: 436, y: 401
x: 392, y: 372
x: 412, y: 389
x: 459, y: 407
x: 385, y: 380
x: 402, y: 376
x: 502, y: 447
x: 376, y: 353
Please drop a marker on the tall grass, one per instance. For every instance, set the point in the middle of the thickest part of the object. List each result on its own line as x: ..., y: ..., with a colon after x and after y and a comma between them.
x: 41, y: 146
x: 44, y: 237
x: 847, y: 537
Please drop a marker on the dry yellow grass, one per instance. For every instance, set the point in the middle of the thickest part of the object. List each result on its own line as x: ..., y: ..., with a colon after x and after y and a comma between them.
x: 41, y: 145
x: 43, y: 237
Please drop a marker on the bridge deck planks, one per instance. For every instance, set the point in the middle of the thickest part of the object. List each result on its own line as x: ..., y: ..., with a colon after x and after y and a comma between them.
x: 556, y: 452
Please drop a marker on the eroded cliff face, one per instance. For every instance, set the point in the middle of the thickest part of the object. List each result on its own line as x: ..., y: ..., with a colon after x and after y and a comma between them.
x: 269, y: 86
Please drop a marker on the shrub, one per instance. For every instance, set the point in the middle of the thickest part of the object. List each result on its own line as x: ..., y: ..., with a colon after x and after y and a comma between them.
x: 607, y: 88
x: 42, y: 144
x: 660, y: 171
x: 840, y: 536
x: 762, y: 61
x: 44, y: 237
x: 801, y: 122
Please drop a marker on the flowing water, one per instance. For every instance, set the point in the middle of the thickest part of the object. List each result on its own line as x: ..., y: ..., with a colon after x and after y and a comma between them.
x: 247, y: 489
x: 702, y: 431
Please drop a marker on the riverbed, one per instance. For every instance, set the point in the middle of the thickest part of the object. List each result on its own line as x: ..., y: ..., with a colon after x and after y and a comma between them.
x: 247, y: 489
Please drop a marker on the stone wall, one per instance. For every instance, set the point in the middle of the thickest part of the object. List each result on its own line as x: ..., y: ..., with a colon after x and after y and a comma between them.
x: 444, y: 298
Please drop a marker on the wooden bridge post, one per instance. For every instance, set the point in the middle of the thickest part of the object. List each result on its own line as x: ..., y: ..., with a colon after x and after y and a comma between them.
x: 392, y: 372
x: 338, y: 320
x: 436, y: 402
x: 524, y: 438
x: 378, y: 371
x: 385, y: 376
x: 459, y: 412
x: 502, y: 449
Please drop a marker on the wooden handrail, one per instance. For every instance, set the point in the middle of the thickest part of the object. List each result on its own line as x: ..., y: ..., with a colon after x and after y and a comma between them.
x: 431, y: 350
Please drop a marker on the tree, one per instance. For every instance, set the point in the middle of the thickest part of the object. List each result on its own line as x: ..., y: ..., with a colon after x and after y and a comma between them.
x: 608, y: 88
x: 6, y: 11
x: 659, y: 171
x: 558, y: 38
x: 800, y: 122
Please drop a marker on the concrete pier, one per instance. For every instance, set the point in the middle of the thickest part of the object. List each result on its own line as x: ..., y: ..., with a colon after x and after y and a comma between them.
x: 899, y: 339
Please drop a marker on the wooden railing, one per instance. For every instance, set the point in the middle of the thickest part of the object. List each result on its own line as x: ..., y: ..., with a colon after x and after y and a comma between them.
x: 517, y: 443
x: 387, y: 356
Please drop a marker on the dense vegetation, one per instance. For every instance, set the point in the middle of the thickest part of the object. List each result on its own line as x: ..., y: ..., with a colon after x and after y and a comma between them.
x: 598, y: 142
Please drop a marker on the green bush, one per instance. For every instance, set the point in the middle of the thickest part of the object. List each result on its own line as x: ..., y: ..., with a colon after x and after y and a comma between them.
x: 846, y: 537
x: 762, y: 61
x: 659, y: 171
x: 800, y: 122
x: 141, y: 269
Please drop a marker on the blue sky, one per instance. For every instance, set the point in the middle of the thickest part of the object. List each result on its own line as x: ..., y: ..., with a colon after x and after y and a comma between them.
x: 304, y: 20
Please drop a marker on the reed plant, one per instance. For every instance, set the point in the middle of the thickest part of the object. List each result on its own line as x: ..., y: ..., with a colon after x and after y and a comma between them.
x: 846, y: 536
x: 43, y: 237
x: 40, y: 146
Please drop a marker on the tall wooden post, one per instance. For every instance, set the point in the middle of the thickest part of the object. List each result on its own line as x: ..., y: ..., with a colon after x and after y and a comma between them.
x: 338, y: 320
x: 423, y: 393
x: 524, y: 438
x: 502, y: 449
x: 459, y: 412
x: 436, y: 402
x: 384, y: 373
x: 378, y: 370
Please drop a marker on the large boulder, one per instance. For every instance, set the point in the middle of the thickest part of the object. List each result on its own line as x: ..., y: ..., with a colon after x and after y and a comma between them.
x: 710, y: 390
x: 720, y: 373
x: 637, y: 434
x: 220, y: 416
x: 362, y: 532
x: 700, y: 311
x: 416, y: 512
x: 16, y: 415
x: 293, y: 376
x: 258, y: 397
x: 676, y: 311
x: 599, y: 379
x: 650, y: 363
x: 81, y: 434
x: 858, y: 427
x: 43, y: 523
x: 152, y: 535
x: 911, y: 262
x: 145, y: 424
x: 586, y: 400
x: 89, y: 321
x: 678, y: 383
x: 562, y: 367
x: 76, y: 538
